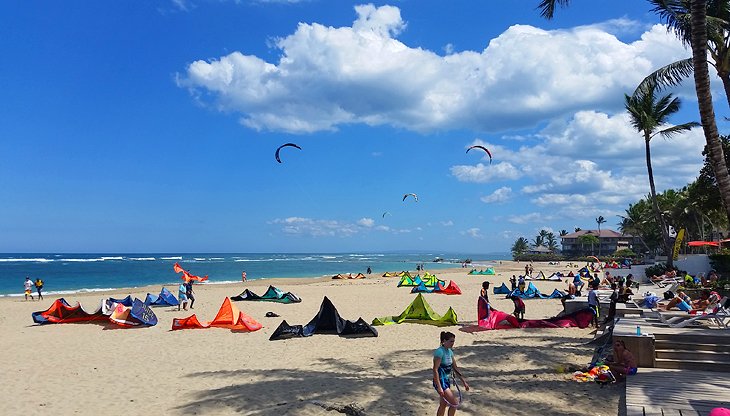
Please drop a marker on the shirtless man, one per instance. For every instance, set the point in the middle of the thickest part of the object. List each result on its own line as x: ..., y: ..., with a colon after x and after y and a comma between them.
x: 624, y: 363
x: 571, y: 293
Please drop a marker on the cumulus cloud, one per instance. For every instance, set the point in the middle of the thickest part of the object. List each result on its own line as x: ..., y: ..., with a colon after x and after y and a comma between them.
x: 590, y: 159
x: 524, y: 76
x: 473, y: 233
x: 366, y: 222
x: 502, y: 194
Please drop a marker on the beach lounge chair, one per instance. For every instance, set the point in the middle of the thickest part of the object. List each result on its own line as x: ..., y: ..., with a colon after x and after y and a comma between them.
x: 718, y: 314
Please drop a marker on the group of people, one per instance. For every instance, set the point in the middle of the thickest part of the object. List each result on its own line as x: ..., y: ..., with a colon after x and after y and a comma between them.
x: 185, y: 293
x: 29, y: 285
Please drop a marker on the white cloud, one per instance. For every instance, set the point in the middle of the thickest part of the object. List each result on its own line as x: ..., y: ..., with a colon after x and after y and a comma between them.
x: 448, y: 223
x: 533, y: 217
x: 524, y: 76
x: 502, y: 194
x: 485, y: 173
x: 316, y: 227
x: 473, y: 233
x: 366, y: 222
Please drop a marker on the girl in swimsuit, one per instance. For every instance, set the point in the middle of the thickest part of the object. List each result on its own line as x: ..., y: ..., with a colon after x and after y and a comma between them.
x: 444, y: 364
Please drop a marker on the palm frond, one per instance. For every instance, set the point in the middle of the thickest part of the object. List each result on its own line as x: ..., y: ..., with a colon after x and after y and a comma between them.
x: 667, y: 76
x: 547, y: 7
x: 675, y: 130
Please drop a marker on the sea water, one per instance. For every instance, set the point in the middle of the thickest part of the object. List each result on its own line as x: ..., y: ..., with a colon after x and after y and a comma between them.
x: 70, y: 273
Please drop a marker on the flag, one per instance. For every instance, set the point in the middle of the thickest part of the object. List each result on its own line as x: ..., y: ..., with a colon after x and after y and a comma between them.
x: 678, y: 244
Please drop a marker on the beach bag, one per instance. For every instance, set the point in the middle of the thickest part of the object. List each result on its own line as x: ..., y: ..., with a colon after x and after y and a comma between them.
x: 668, y: 295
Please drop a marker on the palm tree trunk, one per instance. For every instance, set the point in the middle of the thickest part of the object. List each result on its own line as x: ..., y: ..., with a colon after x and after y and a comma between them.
x: 704, y: 99
x: 655, y: 204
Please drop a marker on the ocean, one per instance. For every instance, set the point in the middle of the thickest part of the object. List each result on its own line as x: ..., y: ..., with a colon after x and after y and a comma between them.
x: 71, y: 273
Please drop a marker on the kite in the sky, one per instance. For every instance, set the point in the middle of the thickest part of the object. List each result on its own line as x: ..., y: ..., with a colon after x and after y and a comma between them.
x: 413, y: 195
x: 285, y: 145
x: 483, y: 148
x: 386, y: 213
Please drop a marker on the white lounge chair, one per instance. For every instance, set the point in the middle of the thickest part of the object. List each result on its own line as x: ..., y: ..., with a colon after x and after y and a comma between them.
x: 718, y: 314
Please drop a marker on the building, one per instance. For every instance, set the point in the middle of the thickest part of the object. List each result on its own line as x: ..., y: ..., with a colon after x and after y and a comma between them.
x: 538, y: 250
x: 610, y: 242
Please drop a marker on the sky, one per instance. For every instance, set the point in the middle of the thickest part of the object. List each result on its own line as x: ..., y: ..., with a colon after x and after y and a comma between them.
x: 152, y: 126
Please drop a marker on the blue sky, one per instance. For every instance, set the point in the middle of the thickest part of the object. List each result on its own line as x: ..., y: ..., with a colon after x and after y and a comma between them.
x: 152, y: 126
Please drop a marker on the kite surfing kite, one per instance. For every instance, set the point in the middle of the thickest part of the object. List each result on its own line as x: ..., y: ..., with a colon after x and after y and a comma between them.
x: 187, y: 276
x: 386, y: 213
x: 282, y: 146
x: 483, y: 148
x: 413, y: 195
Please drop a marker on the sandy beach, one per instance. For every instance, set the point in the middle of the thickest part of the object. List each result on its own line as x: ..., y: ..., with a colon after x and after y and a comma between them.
x: 92, y: 369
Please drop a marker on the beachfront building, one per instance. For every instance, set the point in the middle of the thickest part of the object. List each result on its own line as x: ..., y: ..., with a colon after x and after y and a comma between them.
x: 610, y: 242
x: 538, y: 250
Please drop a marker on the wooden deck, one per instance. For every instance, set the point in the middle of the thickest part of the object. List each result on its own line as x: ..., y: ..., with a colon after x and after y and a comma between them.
x: 664, y: 392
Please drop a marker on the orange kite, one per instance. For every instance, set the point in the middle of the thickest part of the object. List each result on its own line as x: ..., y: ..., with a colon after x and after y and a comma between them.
x: 187, y: 276
x: 228, y: 317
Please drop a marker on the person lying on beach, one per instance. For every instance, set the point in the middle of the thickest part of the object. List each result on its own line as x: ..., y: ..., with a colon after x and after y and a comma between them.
x: 684, y: 303
x: 444, y: 364
x: 668, y: 275
x: 623, y: 363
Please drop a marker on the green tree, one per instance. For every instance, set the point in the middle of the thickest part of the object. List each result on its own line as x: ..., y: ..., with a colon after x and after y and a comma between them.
x: 700, y: 30
x: 520, y: 247
x: 588, y: 239
x: 552, y: 242
x: 648, y: 113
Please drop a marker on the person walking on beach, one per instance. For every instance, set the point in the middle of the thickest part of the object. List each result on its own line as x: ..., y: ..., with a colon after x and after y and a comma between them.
x: 189, y: 293
x: 444, y: 364
x: 28, y: 284
x: 182, y: 296
x: 527, y: 270
x: 243, y: 277
x: 38, y: 287
x: 513, y: 283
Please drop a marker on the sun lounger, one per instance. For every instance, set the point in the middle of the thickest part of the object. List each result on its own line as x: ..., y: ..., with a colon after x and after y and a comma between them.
x: 718, y: 314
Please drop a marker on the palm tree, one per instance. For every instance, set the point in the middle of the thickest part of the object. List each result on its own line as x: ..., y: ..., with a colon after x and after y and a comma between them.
x: 563, y: 232
x: 520, y: 247
x: 578, y: 229
x: 552, y: 242
x: 600, y: 220
x: 634, y: 222
x: 588, y: 239
x: 648, y: 113
x: 672, y: 11
x: 698, y: 39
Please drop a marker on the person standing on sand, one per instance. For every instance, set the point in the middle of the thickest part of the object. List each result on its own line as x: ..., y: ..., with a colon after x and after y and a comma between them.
x: 189, y: 292
x: 182, y: 296
x: 243, y: 277
x: 369, y: 270
x: 28, y: 285
x: 39, y: 287
x: 444, y: 364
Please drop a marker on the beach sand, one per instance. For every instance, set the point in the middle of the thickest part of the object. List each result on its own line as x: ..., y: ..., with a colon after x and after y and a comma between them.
x: 93, y: 369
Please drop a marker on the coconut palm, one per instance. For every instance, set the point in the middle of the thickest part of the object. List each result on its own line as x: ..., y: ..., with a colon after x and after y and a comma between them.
x: 648, y: 113
x: 698, y: 39
x: 521, y: 246
x: 675, y: 10
x: 600, y: 220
